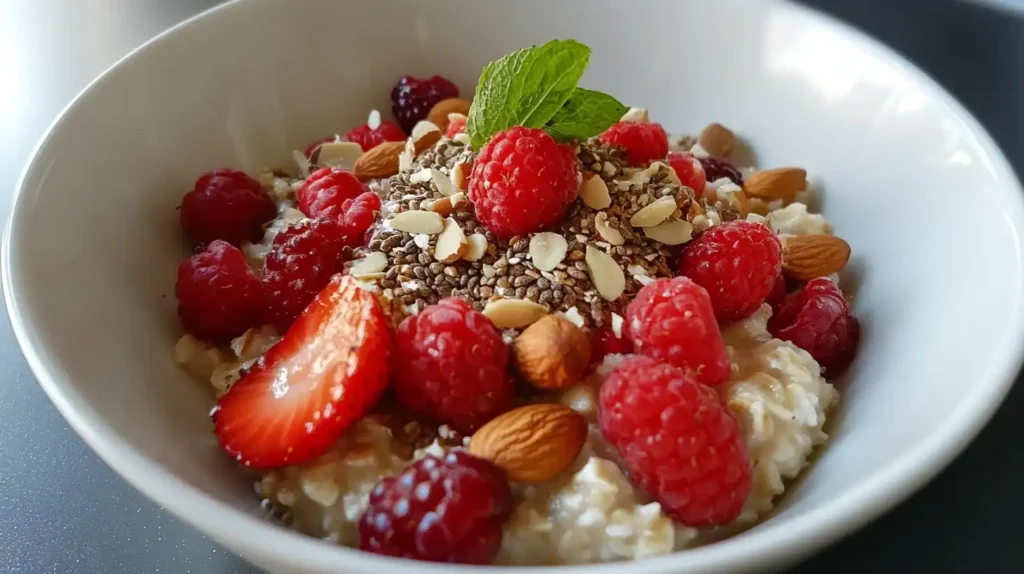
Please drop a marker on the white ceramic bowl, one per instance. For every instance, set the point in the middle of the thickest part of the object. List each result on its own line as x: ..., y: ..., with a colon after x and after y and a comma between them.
x: 916, y: 186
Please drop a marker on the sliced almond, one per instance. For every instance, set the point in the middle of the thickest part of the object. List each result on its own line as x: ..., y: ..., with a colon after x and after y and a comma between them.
x: 617, y: 322
x: 463, y: 138
x: 733, y: 197
x: 301, y: 162
x: 442, y: 182
x: 780, y: 183
x: 717, y: 139
x: 422, y: 240
x: 605, y: 273
x: 422, y: 127
x: 379, y: 162
x: 655, y: 213
x: 442, y: 207
x: 477, y: 247
x: 339, y: 154
x: 594, y: 192
x: 514, y: 313
x: 417, y: 221
x: 451, y: 243
x: 373, y: 263
x: 806, y: 257
x: 404, y: 160
x: 671, y: 232
x: 460, y: 175
x: 694, y: 210
x: 421, y: 176
x: 572, y: 314
x: 458, y: 200
x: 441, y: 111
x: 548, y: 250
x: 636, y: 115
x: 606, y: 231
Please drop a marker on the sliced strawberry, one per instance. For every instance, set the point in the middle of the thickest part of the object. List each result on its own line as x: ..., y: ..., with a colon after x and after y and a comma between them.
x: 323, y: 376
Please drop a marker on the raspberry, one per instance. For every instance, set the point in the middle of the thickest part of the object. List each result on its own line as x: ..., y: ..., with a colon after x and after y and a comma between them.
x: 689, y: 171
x: 717, y: 168
x: 313, y: 147
x: 355, y: 216
x: 326, y: 187
x: 412, y: 99
x: 454, y: 365
x: 677, y: 441
x: 218, y: 295
x: 818, y: 320
x: 369, y: 138
x: 455, y: 128
x: 522, y: 182
x: 604, y: 343
x: 226, y: 204
x: 301, y: 262
x: 448, y: 509
x: 738, y: 263
x: 672, y: 320
x: 778, y: 293
x: 643, y: 143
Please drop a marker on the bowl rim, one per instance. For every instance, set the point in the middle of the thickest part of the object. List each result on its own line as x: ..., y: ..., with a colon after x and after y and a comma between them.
x: 805, y: 534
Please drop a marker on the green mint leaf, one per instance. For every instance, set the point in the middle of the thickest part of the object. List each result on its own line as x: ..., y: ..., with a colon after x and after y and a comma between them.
x: 586, y: 114
x: 525, y: 88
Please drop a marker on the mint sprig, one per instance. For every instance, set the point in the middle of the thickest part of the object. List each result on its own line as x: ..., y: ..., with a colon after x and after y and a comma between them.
x: 536, y: 87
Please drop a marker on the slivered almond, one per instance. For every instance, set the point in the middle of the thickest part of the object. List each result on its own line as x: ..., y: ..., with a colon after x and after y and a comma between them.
x: 442, y: 182
x: 417, y: 221
x: 779, y: 183
x: 806, y: 257
x: 421, y: 176
x: 451, y: 243
x: 548, y: 250
x: 533, y: 443
x: 477, y: 247
x: 594, y: 192
x: 605, y: 273
x: 636, y: 115
x: 379, y: 162
x: 338, y: 154
x: 654, y: 213
x: 671, y: 232
x: 373, y: 263
x: 460, y: 175
x: 458, y: 200
x: 514, y: 313
x: 607, y: 232
x: 717, y: 139
x: 439, y: 113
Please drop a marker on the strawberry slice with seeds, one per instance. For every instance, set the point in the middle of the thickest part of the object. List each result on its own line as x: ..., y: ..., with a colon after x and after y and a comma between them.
x: 324, y: 375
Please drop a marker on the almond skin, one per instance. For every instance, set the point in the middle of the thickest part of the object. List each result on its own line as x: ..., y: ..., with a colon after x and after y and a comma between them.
x: 779, y: 183
x: 381, y: 161
x: 439, y: 113
x: 532, y: 443
x: 552, y: 353
x: 806, y: 257
x: 425, y: 142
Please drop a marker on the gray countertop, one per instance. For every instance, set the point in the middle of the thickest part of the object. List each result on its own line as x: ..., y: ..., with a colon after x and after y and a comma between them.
x: 63, y: 510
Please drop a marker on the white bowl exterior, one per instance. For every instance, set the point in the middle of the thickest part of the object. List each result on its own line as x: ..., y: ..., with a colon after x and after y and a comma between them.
x: 911, y: 181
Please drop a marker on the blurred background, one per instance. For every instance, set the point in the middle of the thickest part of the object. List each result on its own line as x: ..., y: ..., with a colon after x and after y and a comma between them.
x: 63, y: 510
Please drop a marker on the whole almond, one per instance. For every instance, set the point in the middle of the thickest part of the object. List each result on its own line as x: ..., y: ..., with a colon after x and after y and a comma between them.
x: 379, y: 162
x: 605, y: 273
x: 717, y: 140
x: 514, y: 313
x: 439, y: 113
x: 451, y: 243
x: 552, y: 353
x: 533, y: 443
x: 779, y: 183
x: 806, y: 257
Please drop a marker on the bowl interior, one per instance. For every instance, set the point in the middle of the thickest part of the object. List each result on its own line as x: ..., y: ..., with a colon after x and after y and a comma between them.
x: 909, y: 179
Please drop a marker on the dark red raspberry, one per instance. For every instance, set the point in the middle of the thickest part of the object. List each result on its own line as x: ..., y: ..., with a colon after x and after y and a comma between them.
x: 301, y: 262
x: 604, y: 343
x: 448, y: 509
x: 522, y: 182
x: 219, y: 297
x: 738, y: 263
x: 778, y: 293
x: 643, y: 143
x: 326, y: 187
x: 818, y: 320
x: 455, y: 128
x: 677, y: 441
x: 453, y: 367
x: 313, y: 147
x: 689, y: 170
x: 355, y: 216
x: 369, y: 138
x: 412, y: 99
x: 717, y: 168
x: 226, y: 204
x: 672, y: 320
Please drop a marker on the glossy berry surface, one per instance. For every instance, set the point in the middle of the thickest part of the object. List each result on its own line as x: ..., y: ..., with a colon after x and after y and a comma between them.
x: 219, y: 297
x: 643, y: 143
x: 226, y: 204
x: 818, y: 319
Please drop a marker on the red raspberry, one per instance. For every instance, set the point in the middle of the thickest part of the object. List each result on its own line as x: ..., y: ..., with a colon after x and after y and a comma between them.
x: 412, y: 99
x: 448, y: 509
x: 778, y: 293
x: 604, y: 343
x: 218, y: 295
x: 313, y: 147
x: 454, y: 365
x: 369, y: 138
x: 717, y: 168
x: 522, y: 182
x: 818, y: 320
x: 301, y: 262
x: 455, y: 128
x: 677, y: 441
x: 327, y: 187
x: 643, y: 143
x: 355, y: 216
x: 689, y: 171
x: 672, y: 321
x: 226, y: 204
x: 738, y: 263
